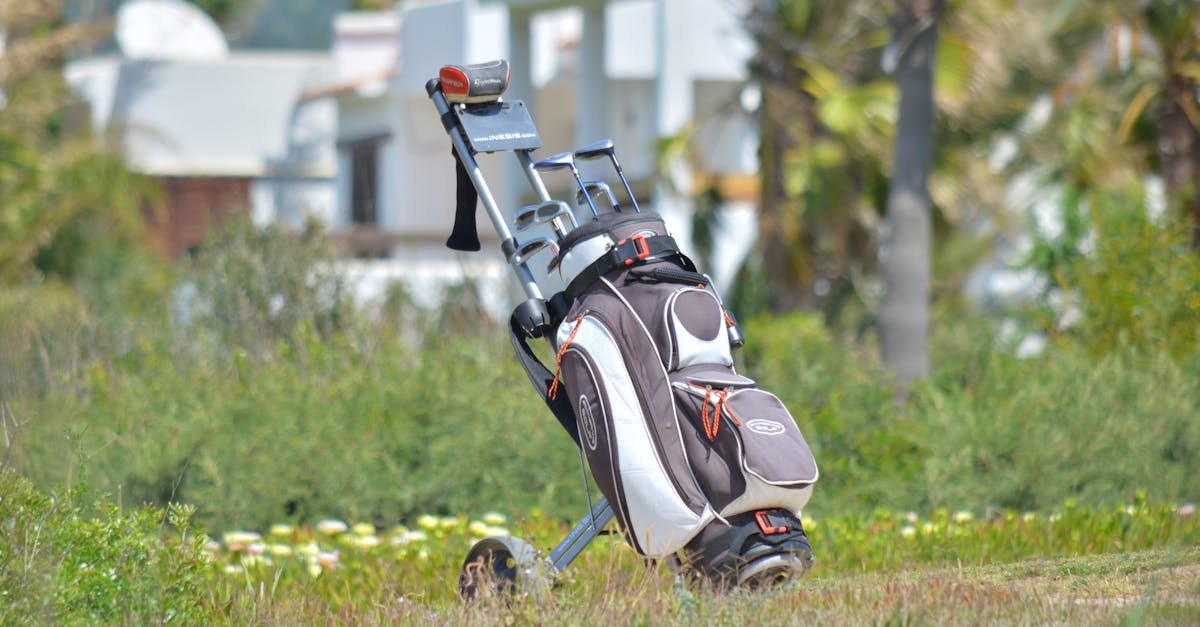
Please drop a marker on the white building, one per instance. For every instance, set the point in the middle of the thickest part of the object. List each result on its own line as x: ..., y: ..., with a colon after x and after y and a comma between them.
x: 587, y: 70
x: 350, y: 138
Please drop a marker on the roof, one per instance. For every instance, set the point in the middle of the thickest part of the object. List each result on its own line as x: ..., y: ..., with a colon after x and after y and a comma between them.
x: 239, y: 116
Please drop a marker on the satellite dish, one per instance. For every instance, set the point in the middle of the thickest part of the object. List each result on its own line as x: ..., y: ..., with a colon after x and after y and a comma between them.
x: 168, y: 29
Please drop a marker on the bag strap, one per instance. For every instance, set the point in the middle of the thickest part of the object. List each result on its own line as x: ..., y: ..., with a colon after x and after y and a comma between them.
x: 626, y: 253
x: 542, y: 378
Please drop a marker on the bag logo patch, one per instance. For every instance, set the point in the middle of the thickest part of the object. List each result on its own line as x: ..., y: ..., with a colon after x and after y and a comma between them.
x: 765, y: 427
x: 587, y: 423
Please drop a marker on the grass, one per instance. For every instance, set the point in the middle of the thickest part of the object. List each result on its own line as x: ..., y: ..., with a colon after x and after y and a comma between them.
x: 1079, y: 566
x: 1159, y: 587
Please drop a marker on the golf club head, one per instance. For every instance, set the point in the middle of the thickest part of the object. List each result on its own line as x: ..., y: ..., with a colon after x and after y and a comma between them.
x: 605, y: 148
x: 553, y: 210
x: 550, y: 211
x: 593, y: 187
x: 595, y: 150
x: 535, y: 246
x: 556, y: 162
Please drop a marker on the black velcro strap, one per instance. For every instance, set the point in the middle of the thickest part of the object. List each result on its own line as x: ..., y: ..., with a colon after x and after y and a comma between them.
x: 671, y: 275
x: 626, y: 253
x: 541, y: 379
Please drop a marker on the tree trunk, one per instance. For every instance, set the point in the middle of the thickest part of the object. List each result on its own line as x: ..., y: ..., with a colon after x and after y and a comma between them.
x: 906, y: 256
x: 784, y: 262
x: 1179, y: 150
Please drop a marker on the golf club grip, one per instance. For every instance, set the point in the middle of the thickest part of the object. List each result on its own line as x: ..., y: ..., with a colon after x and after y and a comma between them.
x: 465, y: 235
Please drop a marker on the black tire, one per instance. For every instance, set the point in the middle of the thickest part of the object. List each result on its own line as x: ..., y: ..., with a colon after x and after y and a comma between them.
x: 501, y: 566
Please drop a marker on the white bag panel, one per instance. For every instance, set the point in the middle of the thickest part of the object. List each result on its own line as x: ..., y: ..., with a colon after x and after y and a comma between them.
x: 691, y: 349
x: 660, y: 520
x: 581, y: 255
x: 762, y: 495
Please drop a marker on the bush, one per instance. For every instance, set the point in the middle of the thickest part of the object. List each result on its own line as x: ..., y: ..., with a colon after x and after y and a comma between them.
x: 59, y: 565
x: 315, y: 409
x: 1028, y: 434
x: 868, y: 451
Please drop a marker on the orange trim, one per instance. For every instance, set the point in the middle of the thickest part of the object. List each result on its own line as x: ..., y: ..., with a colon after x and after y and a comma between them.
x: 764, y: 523
x: 552, y: 393
x: 454, y: 81
x: 712, y: 421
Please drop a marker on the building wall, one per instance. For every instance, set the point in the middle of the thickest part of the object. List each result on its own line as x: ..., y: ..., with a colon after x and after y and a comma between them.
x: 194, y: 208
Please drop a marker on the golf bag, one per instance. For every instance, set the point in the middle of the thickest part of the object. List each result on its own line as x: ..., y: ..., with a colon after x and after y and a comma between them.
x: 675, y: 438
x: 695, y: 462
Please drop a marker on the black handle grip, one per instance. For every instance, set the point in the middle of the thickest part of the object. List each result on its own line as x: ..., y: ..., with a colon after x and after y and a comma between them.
x: 464, y: 236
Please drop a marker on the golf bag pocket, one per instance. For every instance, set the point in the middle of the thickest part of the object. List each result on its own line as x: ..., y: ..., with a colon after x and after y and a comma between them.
x: 743, y: 444
x: 695, y: 330
x: 637, y: 461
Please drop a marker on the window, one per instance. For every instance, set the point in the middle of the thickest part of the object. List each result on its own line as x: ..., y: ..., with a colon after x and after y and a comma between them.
x: 364, y: 182
x: 364, y: 179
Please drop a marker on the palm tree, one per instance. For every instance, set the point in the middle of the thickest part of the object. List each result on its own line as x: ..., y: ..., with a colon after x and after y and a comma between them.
x: 1175, y: 26
x: 904, y: 315
x: 824, y: 116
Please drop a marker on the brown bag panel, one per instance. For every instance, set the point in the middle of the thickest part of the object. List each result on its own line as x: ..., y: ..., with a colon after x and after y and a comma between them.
x: 774, y: 449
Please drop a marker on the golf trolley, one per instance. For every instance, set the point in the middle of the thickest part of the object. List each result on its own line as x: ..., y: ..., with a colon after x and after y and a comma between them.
x: 749, y: 537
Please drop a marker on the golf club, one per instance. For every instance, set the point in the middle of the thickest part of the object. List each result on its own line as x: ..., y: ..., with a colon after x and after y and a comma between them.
x: 533, y: 247
x: 566, y: 160
x: 602, y: 148
x: 550, y: 211
x: 593, y: 187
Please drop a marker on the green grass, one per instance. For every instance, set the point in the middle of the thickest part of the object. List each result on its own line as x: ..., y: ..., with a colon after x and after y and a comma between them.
x: 61, y: 562
x: 1074, y: 565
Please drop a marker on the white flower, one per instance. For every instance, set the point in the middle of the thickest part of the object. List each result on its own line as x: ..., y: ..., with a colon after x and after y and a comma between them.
x: 410, y: 536
x: 963, y: 516
x: 908, y: 531
x: 366, y: 542
x: 309, y: 550
x: 448, y: 522
x: 1029, y: 516
x: 250, y: 561
x: 327, y: 559
x: 282, y: 531
x: 280, y: 550
x: 239, y: 538
x: 912, y: 517
x: 494, y: 518
x: 314, y: 569
x: 1187, y: 509
x: 478, y: 528
x: 331, y: 527
x: 363, y: 529
x: 427, y: 522
x: 233, y: 569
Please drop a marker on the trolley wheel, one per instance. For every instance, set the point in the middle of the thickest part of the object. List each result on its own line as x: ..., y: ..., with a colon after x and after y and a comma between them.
x: 502, y: 566
x: 774, y: 570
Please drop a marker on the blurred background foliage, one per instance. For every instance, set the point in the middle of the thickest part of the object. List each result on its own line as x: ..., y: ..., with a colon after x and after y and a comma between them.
x: 245, y: 380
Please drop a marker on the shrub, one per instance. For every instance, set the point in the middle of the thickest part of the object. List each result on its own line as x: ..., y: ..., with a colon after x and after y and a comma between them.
x: 868, y: 450
x: 60, y: 565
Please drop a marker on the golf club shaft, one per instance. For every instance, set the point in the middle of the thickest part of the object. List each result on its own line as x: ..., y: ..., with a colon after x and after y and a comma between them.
x: 624, y: 181
x: 586, y: 195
